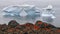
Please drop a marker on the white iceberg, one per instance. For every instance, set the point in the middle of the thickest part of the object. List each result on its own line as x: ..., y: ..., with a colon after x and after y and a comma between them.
x: 48, y: 14
x: 28, y: 11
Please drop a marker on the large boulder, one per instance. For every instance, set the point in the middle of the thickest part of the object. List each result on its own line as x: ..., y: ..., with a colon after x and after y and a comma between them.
x: 13, y: 23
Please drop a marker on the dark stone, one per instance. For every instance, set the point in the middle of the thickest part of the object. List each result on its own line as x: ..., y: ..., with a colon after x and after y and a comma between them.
x: 25, y: 33
x: 51, y: 26
x: 13, y: 23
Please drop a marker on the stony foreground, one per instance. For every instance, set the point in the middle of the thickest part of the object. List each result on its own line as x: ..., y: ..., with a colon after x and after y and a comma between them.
x: 38, y: 28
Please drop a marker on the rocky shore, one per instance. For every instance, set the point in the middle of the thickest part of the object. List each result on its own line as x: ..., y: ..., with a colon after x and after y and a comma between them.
x: 38, y: 28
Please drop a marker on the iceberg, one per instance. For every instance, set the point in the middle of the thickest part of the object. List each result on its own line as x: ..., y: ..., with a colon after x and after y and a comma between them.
x: 48, y: 14
x: 22, y: 11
